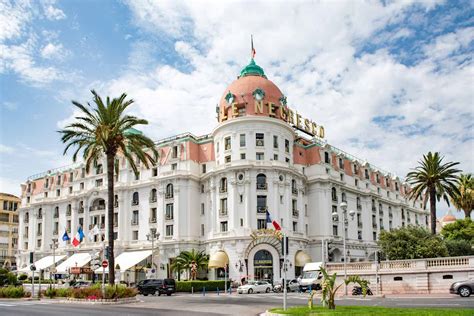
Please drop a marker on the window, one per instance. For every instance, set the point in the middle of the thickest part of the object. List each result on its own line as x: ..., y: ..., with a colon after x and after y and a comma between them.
x: 169, y: 191
x: 70, y: 190
x: 169, y: 211
x: 154, y: 172
x: 287, y: 146
x: 326, y: 157
x: 217, y: 146
x: 204, y: 168
x: 259, y: 139
x: 334, y: 230
x: 367, y: 174
x: 152, y: 215
x: 202, y: 188
x: 334, y: 194
x: 99, y: 182
x: 169, y: 230
x: 242, y: 140
x: 261, y: 182
x: 341, y: 176
x: 71, y: 176
x: 447, y: 277
x: 334, y: 209
x: 275, y: 157
x: 202, y: 208
x: 174, y: 166
x: 135, y: 217
x: 377, y: 178
x: 241, y: 198
x: 341, y: 163
x: 58, y: 192
x: 175, y: 152
x: 356, y: 169
x: 99, y: 169
x: 241, y: 222
x: 153, y: 195
x: 398, y: 278
x: 259, y: 156
x: 227, y: 159
x: 294, y: 189
x: 281, y: 199
x: 38, y: 231
x: 261, y: 223
x: 242, y: 156
x: 343, y: 197
x: 135, y: 199
x: 306, y: 229
x: 359, y: 235
x: 223, y: 185
x: 135, y: 235
x: 224, y: 226
x: 202, y: 229
x: 223, y: 207
x: 295, y: 226
x: 227, y: 143
x: 374, y: 236
x: 58, y: 180
x: 356, y: 182
x: 275, y: 142
x: 262, y: 204
x: 81, y: 186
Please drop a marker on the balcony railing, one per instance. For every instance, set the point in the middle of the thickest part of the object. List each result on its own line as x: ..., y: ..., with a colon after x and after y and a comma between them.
x: 169, y: 195
x: 134, y: 221
x: 295, y: 191
x: 39, y: 216
x: 374, y: 209
x: 374, y: 226
x: 152, y: 220
x: 26, y: 220
x: 223, y: 212
x: 169, y: 216
x: 334, y: 198
x: 359, y: 207
x: 153, y: 199
x: 81, y: 210
x: 223, y: 189
x: 55, y: 232
x: 262, y: 209
x: 56, y: 215
x: 135, y: 202
x: 296, y: 213
x: 115, y: 223
x: 360, y: 225
x: 68, y: 212
x: 38, y: 233
x: 260, y: 142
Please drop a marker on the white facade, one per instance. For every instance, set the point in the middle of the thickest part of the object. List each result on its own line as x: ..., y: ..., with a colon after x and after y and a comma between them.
x: 206, y: 212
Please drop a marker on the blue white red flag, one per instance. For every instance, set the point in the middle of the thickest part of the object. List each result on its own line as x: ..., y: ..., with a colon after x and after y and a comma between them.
x: 274, y: 223
x: 78, y: 238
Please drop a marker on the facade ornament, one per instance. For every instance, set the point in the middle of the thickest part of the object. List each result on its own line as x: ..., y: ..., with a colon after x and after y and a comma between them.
x: 258, y: 94
x: 229, y: 98
x: 283, y: 100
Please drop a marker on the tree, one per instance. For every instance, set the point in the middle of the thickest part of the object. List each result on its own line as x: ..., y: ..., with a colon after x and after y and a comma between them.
x: 411, y: 242
x: 177, y: 266
x: 461, y: 229
x: 431, y: 180
x: 193, y: 257
x: 459, y: 247
x: 464, y: 199
x: 105, y: 129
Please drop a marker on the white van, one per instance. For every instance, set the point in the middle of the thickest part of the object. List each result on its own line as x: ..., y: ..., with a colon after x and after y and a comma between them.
x: 312, y: 276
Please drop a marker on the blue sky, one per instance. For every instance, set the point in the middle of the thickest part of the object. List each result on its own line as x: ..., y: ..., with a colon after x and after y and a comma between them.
x: 388, y: 80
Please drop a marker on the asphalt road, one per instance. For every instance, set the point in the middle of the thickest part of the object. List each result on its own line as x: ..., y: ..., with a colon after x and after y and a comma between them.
x: 211, y: 304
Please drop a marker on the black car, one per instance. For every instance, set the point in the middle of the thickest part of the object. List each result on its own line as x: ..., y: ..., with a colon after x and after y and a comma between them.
x: 157, y: 286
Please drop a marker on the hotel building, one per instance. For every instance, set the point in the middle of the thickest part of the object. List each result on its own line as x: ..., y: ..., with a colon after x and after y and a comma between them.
x: 8, y: 229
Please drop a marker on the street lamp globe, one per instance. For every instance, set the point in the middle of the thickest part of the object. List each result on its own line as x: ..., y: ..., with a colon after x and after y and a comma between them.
x: 343, y: 205
x: 335, y: 216
x: 352, y: 213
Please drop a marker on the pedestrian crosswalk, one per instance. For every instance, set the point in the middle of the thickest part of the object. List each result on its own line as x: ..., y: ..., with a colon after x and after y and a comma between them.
x: 20, y: 303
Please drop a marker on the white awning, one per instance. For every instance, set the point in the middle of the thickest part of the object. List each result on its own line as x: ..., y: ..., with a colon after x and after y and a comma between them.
x: 76, y: 260
x: 126, y: 260
x: 43, y: 263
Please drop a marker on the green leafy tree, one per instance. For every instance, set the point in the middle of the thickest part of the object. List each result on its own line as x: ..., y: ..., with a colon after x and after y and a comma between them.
x: 177, y: 266
x: 105, y: 129
x: 461, y: 229
x: 411, y: 242
x: 459, y: 248
x: 464, y: 199
x: 188, y: 258
x: 432, y: 180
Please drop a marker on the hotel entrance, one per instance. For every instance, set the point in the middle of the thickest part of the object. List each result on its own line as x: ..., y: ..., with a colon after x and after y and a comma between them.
x: 263, y: 265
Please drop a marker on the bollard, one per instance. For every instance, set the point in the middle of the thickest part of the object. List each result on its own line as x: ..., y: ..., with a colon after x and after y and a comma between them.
x: 204, y: 291
x: 192, y: 289
x: 217, y: 291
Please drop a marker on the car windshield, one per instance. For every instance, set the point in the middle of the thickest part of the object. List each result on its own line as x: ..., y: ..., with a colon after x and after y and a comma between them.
x: 310, y: 274
x: 252, y: 283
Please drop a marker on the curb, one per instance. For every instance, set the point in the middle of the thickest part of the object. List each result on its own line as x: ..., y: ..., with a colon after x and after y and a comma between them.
x: 100, y: 302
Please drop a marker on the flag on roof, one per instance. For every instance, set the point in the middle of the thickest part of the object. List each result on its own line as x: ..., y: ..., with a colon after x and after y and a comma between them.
x: 252, y: 51
x: 78, y: 238
x: 274, y: 223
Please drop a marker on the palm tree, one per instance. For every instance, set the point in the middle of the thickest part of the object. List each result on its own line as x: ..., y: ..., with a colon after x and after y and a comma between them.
x: 177, y: 266
x: 188, y: 258
x: 432, y: 179
x: 105, y: 129
x: 464, y: 200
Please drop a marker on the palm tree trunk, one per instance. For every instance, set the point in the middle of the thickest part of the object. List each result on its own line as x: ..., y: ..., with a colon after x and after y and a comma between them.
x: 110, y: 214
x: 432, y: 191
x: 467, y: 213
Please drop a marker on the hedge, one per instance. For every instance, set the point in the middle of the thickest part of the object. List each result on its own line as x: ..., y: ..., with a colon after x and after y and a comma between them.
x: 13, y: 292
x: 185, y: 286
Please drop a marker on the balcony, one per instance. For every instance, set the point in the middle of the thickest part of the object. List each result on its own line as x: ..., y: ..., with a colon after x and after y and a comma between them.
x: 38, y: 233
x: 39, y: 216
x: 374, y: 209
x: 134, y: 221
x: 152, y: 220
x: 359, y: 207
x: 390, y: 215
x: 26, y: 220
x: 262, y: 209
x: 261, y: 186
x: 360, y: 225
x: 135, y: 202
x: 223, y: 212
x: 295, y: 192
x: 68, y: 212
x: 374, y: 225
x: 153, y: 199
x: 169, y: 217
x: 168, y: 195
x: 115, y: 223
x: 334, y: 198
x: 223, y: 189
x: 55, y: 232
x: 295, y: 213
x: 56, y: 215
x: 81, y: 210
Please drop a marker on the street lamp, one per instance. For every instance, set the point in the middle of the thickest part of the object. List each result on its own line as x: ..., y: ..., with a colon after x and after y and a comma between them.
x: 335, y: 216
x: 151, y: 237
x: 53, y: 269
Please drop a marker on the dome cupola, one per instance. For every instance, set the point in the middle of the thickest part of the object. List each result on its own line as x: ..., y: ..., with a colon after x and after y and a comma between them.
x: 252, y: 69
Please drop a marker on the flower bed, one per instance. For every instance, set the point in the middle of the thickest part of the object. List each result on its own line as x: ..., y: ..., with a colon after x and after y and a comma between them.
x: 13, y: 292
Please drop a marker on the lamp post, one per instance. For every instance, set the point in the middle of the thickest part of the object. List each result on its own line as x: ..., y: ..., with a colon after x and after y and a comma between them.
x: 335, y: 216
x: 53, y: 270
x: 240, y: 266
x: 151, y: 237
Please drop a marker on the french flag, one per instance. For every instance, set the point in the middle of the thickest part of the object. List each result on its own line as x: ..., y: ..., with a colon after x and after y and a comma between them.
x: 78, y: 238
x: 275, y: 224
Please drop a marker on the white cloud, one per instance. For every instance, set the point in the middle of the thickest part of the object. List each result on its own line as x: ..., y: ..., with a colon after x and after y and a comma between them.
x: 54, y: 51
x: 4, y: 149
x: 53, y: 13
x: 9, y: 185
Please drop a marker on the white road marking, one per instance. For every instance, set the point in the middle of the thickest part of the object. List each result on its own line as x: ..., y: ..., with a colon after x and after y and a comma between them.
x: 6, y: 305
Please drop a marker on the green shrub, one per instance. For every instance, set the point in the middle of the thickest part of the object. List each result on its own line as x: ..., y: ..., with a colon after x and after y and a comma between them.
x: 458, y: 247
x: 12, y: 292
x: 63, y: 292
x: 186, y: 286
x: 119, y: 291
x: 86, y: 293
x: 22, y: 277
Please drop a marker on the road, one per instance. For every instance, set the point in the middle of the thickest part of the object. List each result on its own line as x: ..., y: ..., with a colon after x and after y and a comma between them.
x: 213, y: 305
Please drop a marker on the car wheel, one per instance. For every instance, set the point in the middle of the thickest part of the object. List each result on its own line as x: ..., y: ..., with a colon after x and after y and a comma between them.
x: 464, y: 291
x: 145, y: 294
x: 267, y: 290
x: 250, y: 291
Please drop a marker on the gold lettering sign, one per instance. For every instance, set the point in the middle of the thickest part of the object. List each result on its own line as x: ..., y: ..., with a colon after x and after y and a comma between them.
x: 265, y: 232
x: 271, y: 108
x: 259, y: 107
x: 235, y: 110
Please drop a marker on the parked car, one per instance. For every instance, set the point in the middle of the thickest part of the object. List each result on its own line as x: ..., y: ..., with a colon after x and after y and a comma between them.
x: 293, y: 286
x: 255, y: 287
x: 463, y: 288
x: 157, y: 286
x: 80, y: 284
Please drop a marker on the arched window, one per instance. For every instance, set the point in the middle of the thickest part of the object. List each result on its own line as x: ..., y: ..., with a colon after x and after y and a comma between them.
x: 261, y: 182
x: 223, y: 185
x: 294, y: 189
x: 169, y: 191
x: 359, y: 206
x: 116, y: 204
x: 99, y: 169
x: 153, y: 196
x: 27, y: 217
x: 343, y: 197
x: 334, y: 194
x: 135, y: 198
x: 56, y: 212
x: 68, y: 210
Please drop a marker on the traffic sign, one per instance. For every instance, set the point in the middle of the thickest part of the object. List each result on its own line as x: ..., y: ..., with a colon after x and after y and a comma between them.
x: 105, y: 264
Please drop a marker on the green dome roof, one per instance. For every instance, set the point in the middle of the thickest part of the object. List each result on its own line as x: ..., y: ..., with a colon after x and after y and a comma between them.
x: 252, y: 69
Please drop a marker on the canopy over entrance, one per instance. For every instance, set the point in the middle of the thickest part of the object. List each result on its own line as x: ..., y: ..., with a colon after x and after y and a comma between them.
x: 301, y: 259
x: 76, y: 260
x: 218, y: 260
x: 126, y: 260
x: 44, y: 263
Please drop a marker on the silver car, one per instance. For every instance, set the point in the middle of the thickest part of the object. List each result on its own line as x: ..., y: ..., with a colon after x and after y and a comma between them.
x: 463, y: 288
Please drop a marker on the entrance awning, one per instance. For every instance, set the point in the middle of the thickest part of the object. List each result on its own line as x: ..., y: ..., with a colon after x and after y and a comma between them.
x: 301, y: 259
x: 76, y: 260
x: 126, y: 260
x: 218, y: 260
x: 43, y: 263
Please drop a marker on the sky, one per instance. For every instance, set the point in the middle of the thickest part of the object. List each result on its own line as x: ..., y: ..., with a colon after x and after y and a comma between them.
x: 389, y: 80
